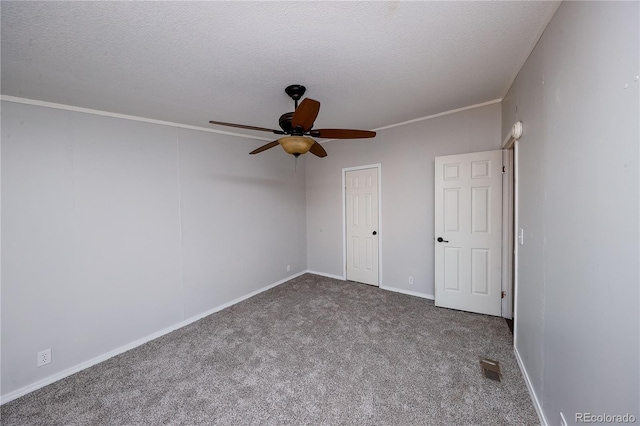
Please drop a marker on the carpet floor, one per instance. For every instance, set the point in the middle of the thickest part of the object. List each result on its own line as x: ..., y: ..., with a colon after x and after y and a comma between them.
x: 312, y: 351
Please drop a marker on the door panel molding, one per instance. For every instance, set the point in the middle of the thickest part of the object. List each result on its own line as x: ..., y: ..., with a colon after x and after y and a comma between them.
x: 468, y: 232
x: 380, y: 234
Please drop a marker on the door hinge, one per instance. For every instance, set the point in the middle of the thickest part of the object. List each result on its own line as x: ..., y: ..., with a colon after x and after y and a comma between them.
x: 504, y: 170
x: 504, y: 294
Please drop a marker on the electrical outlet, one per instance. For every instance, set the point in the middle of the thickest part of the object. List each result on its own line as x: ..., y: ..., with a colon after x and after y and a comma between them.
x: 411, y: 280
x: 44, y: 357
x: 563, y: 421
x: 288, y: 268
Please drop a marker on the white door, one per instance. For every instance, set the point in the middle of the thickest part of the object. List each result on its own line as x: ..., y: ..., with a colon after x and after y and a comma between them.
x: 468, y: 232
x: 362, y: 225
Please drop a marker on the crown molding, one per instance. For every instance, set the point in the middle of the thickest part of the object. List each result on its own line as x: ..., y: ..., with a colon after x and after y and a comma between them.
x: 123, y: 116
x: 35, y: 102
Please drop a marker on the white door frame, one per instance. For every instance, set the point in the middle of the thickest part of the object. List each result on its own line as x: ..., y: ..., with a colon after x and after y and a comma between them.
x: 344, y: 217
x: 507, y: 232
x: 514, y: 238
x: 509, y: 237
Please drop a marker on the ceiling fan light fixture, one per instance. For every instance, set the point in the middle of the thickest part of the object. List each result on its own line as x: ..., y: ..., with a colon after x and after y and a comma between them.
x: 296, y: 145
x: 298, y: 125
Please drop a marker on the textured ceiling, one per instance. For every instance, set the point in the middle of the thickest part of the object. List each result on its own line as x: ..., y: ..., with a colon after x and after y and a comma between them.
x: 370, y: 64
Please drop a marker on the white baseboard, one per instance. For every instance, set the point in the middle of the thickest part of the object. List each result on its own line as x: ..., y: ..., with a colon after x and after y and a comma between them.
x: 322, y: 274
x: 394, y: 289
x: 409, y: 292
x: 532, y: 392
x: 79, y: 367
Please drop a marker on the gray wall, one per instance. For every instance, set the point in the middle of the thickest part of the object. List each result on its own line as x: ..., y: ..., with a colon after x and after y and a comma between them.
x: 577, y: 317
x: 113, y: 230
x: 407, y: 157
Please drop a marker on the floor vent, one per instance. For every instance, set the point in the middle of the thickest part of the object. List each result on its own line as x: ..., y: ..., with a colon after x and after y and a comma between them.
x: 490, y: 369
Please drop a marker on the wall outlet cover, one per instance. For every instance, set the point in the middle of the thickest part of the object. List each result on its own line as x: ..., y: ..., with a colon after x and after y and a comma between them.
x: 43, y: 357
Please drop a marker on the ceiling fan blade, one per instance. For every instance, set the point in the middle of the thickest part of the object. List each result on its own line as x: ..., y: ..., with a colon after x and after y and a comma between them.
x: 317, y: 150
x: 342, y: 133
x: 305, y: 114
x: 265, y: 147
x: 242, y: 126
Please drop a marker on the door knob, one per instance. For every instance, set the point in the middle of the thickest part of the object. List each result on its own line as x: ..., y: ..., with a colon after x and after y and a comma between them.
x: 375, y: 233
x: 442, y: 240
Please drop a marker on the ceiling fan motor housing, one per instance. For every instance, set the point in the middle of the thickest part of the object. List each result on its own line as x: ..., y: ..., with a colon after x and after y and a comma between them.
x: 285, y: 122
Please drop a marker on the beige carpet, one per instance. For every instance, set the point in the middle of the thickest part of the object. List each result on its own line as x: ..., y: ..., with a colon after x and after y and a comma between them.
x: 312, y: 351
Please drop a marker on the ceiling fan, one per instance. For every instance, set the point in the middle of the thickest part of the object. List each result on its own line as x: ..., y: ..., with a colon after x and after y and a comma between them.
x: 297, y: 128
